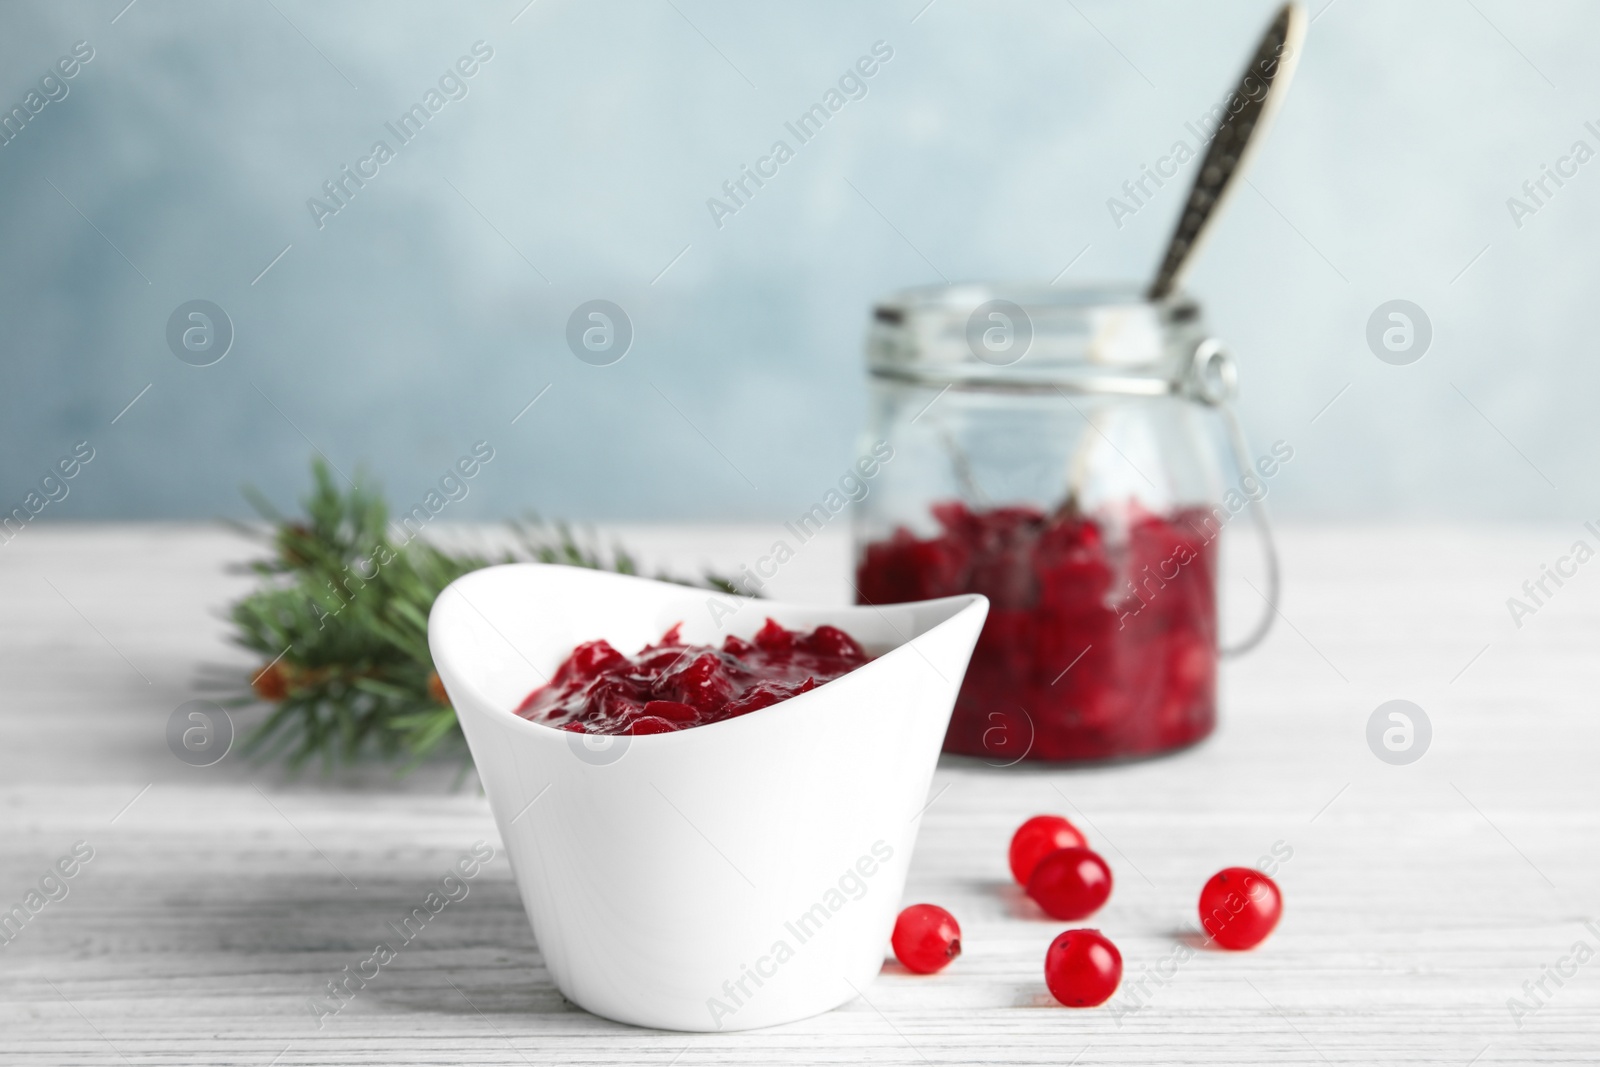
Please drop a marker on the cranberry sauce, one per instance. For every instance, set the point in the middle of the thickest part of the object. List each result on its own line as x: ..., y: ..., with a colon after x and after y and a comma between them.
x: 1092, y: 650
x: 673, y: 686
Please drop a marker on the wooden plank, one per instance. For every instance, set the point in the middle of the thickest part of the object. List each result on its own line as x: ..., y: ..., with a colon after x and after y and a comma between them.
x: 1419, y: 898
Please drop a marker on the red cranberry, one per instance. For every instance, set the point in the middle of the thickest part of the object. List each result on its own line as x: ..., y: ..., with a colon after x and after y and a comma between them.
x: 1036, y: 839
x: 926, y: 938
x: 701, y: 682
x: 1070, y: 883
x: 1082, y: 968
x: 589, y: 659
x: 671, y: 710
x: 650, y: 724
x: 772, y: 637
x: 830, y: 641
x: 1239, y: 907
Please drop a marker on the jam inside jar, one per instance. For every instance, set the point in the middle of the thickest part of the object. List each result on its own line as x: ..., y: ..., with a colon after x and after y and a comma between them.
x: 1057, y: 451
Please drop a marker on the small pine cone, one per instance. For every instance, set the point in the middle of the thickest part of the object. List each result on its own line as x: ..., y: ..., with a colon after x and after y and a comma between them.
x: 436, y: 689
x: 271, y: 682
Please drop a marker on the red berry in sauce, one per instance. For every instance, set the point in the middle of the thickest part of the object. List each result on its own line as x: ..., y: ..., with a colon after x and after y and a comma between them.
x: 1036, y: 839
x: 673, y: 686
x: 699, y: 681
x: 1070, y: 883
x: 650, y: 724
x: 926, y: 938
x: 1105, y: 667
x: 1239, y: 907
x: 673, y: 711
x: 1082, y: 968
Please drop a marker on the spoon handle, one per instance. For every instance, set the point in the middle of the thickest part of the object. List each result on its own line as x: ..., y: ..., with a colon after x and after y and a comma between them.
x: 1248, y: 111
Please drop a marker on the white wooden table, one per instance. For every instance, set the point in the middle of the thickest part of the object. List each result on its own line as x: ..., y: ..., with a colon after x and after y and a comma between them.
x: 1419, y: 898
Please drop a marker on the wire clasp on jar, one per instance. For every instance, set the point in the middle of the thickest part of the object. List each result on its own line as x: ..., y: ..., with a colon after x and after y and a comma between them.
x: 1213, y: 380
x: 1213, y: 376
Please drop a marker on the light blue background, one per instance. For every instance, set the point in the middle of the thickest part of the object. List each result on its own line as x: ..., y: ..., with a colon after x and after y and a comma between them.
x: 410, y: 327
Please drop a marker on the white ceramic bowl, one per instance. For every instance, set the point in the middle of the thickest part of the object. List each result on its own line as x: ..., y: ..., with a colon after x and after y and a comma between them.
x: 728, y: 876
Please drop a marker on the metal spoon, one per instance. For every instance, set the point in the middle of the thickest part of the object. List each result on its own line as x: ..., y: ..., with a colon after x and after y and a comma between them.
x: 1250, y: 108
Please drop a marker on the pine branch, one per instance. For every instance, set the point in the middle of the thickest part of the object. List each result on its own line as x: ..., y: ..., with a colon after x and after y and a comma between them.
x: 340, y: 624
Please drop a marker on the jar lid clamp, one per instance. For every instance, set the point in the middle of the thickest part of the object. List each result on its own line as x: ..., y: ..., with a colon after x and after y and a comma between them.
x: 1213, y: 376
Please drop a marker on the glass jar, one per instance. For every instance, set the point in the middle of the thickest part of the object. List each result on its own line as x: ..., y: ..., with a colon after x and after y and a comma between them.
x: 1058, y: 450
